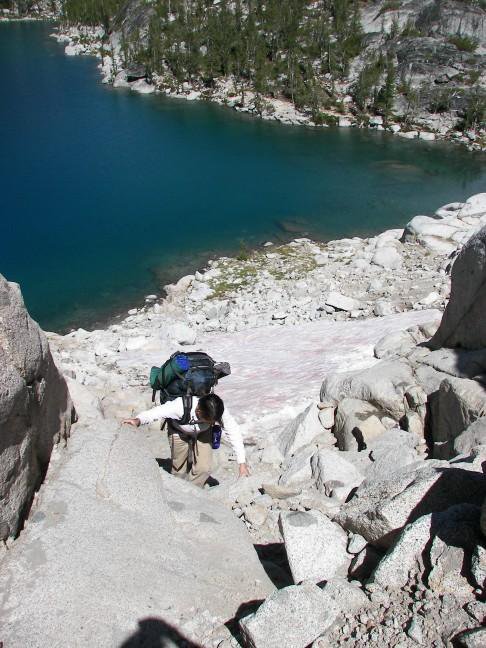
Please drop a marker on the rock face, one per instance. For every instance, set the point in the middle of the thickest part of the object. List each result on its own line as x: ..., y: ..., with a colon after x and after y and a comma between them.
x: 381, y: 509
x: 473, y: 436
x: 455, y: 526
x: 300, y: 431
x: 333, y: 474
x: 315, y: 546
x: 291, y: 617
x: 459, y: 403
x: 356, y: 423
x: 384, y: 388
x: 35, y: 408
x: 463, y: 321
x: 116, y: 539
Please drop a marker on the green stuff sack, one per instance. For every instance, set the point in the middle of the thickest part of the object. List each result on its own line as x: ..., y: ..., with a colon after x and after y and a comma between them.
x: 187, y: 374
x: 171, y: 371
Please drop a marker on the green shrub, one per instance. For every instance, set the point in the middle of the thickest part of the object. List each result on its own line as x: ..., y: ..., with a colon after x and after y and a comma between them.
x: 463, y: 43
x: 321, y: 118
x: 473, y: 76
x: 244, y: 252
x: 441, y: 102
x: 475, y: 111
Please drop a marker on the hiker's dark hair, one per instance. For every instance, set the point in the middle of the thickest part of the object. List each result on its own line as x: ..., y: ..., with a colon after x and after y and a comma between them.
x: 212, y: 408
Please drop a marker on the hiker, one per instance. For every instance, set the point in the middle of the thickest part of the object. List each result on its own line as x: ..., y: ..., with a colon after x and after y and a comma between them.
x: 192, y: 444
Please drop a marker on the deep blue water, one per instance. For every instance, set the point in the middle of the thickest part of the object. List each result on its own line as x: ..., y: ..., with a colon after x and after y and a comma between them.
x: 106, y: 194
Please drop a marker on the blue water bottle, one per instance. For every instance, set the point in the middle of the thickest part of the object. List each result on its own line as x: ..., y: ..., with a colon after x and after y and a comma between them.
x: 216, y: 437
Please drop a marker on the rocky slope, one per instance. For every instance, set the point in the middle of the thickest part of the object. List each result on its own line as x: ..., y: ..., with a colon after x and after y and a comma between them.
x: 35, y: 409
x: 364, y: 433
x: 30, y: 9
x: 419, y: 69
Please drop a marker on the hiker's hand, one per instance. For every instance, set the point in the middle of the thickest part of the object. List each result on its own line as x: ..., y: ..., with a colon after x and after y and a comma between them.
x: 135, y: 422
x: 243, y: 470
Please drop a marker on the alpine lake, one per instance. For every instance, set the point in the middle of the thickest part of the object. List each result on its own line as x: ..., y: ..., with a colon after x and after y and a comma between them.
x: 106, y: 194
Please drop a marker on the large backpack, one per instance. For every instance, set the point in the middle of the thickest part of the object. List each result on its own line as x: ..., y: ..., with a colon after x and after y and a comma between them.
x: 185, y: 375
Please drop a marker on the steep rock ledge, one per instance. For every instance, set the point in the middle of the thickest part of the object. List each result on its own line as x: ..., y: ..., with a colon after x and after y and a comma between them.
x: 35, y: 408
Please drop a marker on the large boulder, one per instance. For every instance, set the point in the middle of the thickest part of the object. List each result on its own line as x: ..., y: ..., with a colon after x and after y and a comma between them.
x: 380, y: 509
x: 115, y: 538
x: 182, y: 333
x: 405, y: 555
x: 392, y: 450
x: 437, y: 234
x: 383, y: 385
x: 297, y: 469
x: 35, y: 408
x: 341, y: 302
x: 387, y: 257
x: 315, y: 546
x: 356, y: 423
x: 472, y: 436
x: 453, y: 547
x: 463, y: 321
x: 333, y: 474
x: 457, y: 526
x: 478, y: 565
x: 348, y: 597
x: 457, y: 362
x: 458, y: 403
x: 300, y: 431
x: 397, y: 343
x: 292, y: 617
x: 475, y: 638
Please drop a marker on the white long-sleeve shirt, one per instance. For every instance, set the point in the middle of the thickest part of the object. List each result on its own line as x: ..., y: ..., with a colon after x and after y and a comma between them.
x: 175, y: 410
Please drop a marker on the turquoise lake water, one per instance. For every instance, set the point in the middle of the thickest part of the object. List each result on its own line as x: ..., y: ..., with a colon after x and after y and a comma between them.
x: 106, y: 194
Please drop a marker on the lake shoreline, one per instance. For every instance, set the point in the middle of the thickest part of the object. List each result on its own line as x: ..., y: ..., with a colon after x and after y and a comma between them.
x: 82, y: 40
x: 108, y: 301
x: 397, y: 271
x: 165, y: 278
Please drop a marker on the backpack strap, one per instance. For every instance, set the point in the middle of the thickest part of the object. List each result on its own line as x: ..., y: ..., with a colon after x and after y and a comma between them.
x: 175, y: 425
x: 187, y: 402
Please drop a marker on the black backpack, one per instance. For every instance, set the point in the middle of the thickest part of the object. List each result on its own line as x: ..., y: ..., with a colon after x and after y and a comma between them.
x: 185, y: 375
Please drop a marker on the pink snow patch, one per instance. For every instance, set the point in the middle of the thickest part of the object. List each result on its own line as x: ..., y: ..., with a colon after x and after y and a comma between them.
x: 273, y: 366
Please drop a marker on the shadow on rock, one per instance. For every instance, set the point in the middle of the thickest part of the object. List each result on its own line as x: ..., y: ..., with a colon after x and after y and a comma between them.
x: 165, y: 464
x: 250, y: 607
x: 455, y: 529
x: 274, y: 561
x: 156, y: 633
x: 454, y: 486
